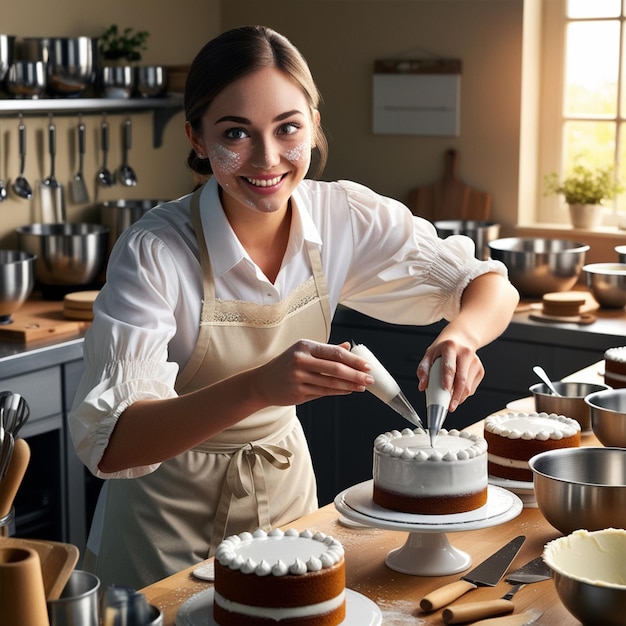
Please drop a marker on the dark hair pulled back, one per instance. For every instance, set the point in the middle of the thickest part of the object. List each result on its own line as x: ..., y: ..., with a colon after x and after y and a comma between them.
x: 231, y: 56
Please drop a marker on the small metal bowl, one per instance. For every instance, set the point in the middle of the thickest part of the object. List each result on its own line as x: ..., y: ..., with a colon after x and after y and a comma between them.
x: 589, y: 570
x: 480, y: 232
x: 17, y: 279
x: 151, y: 81
x: 581, y: 487
x: 571, y: 403
x: 67, y: 254
x: 607, y: 283
x: 117, y: 81
x: 608, y: 416
x: 7, y: 53
x: 27, y: 79
x: 539, y: 266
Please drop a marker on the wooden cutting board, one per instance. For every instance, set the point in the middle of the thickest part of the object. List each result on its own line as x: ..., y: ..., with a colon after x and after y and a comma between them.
x: 450, y: 198
x: 40, y: 319
x: 58, y: 560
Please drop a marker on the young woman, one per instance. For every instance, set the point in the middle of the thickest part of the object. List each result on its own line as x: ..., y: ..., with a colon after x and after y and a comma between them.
x: 215, y: 318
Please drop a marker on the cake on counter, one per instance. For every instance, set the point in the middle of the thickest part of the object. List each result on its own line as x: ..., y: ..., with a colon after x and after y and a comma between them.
x: 514, y: 438
x: 279, y: 578
x: 615, y: 367
x: 412, y: 477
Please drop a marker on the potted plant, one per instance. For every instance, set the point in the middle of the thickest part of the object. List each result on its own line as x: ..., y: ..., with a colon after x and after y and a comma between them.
x: 119, y: 49
x: 584, y: 190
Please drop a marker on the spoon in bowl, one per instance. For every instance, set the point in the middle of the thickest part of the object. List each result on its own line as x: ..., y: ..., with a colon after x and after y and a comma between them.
x: 546, y: 379
x: 20, y: 184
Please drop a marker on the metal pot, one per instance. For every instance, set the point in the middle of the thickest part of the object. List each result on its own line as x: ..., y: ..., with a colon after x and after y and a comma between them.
x: 480, y: 232
x: 118, y: 215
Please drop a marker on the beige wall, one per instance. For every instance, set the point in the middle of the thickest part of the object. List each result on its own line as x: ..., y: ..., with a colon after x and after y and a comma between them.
x: 177, y: 31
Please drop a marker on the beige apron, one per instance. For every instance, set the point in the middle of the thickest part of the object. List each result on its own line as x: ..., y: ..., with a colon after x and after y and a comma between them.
x: 256, y: 473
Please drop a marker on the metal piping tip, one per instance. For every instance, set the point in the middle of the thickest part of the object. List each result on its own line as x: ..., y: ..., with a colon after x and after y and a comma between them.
x: 435, y: 415
x: 401, y: 405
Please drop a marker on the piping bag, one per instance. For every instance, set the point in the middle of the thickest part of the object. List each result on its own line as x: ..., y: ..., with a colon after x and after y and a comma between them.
x: 386, y: 388
x: 437, y: 401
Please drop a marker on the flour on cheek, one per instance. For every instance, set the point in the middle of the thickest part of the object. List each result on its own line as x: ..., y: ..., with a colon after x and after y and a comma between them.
x: 299, y: 153
x: 223, y: 160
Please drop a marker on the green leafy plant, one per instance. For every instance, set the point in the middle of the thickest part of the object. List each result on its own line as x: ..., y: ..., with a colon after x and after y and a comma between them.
x: 584, y: 185
x: 116, y: 44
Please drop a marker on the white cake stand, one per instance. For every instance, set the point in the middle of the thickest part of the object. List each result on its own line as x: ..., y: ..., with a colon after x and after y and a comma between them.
x: 427, y: 551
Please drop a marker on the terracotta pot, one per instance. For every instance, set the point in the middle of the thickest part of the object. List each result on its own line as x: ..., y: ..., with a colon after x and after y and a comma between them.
x: 587, y: 216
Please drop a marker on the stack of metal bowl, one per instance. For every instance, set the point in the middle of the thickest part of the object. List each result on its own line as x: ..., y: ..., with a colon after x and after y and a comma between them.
x: 17, y: 278
x: 540, y: 266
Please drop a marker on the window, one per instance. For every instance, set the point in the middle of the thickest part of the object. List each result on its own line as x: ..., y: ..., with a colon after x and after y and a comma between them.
x: 583, y: 95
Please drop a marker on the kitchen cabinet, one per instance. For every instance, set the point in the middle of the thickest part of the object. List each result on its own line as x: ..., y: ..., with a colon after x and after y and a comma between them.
x: 162, y: 108
x: 341, y: 430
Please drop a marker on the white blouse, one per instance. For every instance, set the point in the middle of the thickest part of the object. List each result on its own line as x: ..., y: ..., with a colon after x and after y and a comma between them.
x: 378, y: 259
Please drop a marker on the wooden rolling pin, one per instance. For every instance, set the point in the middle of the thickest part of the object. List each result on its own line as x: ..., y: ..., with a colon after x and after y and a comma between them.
x: 14, y: 475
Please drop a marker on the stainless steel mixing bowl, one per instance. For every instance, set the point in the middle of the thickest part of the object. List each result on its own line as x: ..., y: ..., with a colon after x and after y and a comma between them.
x: 589, y: 574
x: 27, y: 79
x: 7, y: 54
x: 608, y: 417
x: 570, y: 403
x: 151, y: 80
x: 17, y: 278
x: 479, y: 231
x: 67, y: 254
x: 581, y: 487
x: 607, y: 283
x: 539, y: 266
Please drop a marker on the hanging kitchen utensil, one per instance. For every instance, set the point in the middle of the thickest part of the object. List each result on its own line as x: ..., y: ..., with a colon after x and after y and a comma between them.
x: 21, y: 186
x: 125, y: 172
x: 52, y: 200
x: 3, y: 187
x: 13, y: 476
x: 78, y: 186
x: 488, y: 573
x: 450, y: 199
x: 104, y: 176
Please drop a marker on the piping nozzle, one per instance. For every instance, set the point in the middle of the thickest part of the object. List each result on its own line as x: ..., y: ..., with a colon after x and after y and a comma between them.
x: 437, y: 401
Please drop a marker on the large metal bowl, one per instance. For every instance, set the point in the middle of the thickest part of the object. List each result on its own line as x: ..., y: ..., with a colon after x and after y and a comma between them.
x: 17, y: 278
x: 570, y: 402
x: 607, y: 283
x: 608, y: 417
x: 479, y: 231
x: 539, y: 266
x: 67, y: 254
x: 118, y: 215
x: 70, y: 62
x: 581, y: 487
x: 589, y: 570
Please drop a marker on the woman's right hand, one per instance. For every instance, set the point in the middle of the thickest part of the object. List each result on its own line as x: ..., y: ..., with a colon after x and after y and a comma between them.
x: 309, y: 370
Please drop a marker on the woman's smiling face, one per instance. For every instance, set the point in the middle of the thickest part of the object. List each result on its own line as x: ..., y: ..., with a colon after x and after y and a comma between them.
x: 257, y: 134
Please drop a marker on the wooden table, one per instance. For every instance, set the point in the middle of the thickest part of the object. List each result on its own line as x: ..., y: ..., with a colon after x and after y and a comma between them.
x: 398, y: 595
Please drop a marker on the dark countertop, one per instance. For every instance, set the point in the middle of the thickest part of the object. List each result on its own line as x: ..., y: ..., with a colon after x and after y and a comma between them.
x: 609, y: 329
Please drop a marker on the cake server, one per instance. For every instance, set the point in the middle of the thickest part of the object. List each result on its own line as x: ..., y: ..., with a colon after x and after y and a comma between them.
x: 487, y: 574
x: 437, y: 401
x: 386, y: 388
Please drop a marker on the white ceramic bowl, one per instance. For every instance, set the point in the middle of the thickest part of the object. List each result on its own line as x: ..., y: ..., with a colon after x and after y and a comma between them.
x: 589, y: 573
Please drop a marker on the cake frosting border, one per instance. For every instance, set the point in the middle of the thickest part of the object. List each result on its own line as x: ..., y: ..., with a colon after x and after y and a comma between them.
x: 494, y: 425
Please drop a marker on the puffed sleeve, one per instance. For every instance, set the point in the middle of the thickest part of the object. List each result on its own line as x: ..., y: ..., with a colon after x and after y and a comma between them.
x: 125, y: 349
x: 401, y: 271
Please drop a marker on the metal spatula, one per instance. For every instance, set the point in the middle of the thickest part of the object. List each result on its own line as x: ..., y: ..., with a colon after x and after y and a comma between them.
x: 52, y: 200
x: 78, y: 186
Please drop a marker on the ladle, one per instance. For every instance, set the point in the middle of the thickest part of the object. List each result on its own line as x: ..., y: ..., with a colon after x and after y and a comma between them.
x: 104, y: 176
x: 546, y: 379
x: 20, y: 184
x: 3, y: 190
x: 125, y: 172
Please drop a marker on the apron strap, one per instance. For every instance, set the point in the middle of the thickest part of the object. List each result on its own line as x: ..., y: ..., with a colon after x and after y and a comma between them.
x: 245, y: 476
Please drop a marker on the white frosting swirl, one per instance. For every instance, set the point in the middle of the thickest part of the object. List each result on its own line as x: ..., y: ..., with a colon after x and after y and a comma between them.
x: 529, y: 426
x: 616, y: 354
x: 279, y: 553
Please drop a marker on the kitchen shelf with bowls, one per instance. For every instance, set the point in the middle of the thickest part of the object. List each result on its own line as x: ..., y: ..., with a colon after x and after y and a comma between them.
x: 163, y: 108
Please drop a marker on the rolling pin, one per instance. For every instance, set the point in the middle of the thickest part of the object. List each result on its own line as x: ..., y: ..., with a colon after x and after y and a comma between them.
x: 14, y: 475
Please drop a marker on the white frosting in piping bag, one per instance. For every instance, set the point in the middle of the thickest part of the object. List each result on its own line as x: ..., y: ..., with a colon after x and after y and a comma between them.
x: 384, y: 386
